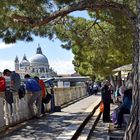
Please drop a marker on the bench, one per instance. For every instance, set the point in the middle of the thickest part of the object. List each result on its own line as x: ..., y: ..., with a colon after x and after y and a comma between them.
x: 126, y: 118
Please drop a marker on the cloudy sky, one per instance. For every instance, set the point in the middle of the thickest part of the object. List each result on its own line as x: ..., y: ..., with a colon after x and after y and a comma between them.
x: 59, y: 59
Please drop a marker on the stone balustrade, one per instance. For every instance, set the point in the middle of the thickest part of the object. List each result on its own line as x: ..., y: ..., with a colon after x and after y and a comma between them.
x: 19, y: 110
x: 66, y: 95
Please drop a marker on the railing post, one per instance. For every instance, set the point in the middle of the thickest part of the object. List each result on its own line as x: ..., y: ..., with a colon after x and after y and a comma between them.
x: 14, y: 109
x: 2, y: 121
x: 7, y: 113
x: 52, y: 100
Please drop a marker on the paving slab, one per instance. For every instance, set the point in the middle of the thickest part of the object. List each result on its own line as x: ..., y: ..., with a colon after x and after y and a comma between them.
x: 57, y: 125
x: 104, y: 131
x: 101, y: 131
x: 115, y: 133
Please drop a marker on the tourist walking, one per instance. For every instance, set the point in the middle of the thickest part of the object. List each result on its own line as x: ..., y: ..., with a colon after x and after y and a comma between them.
x: 106, y: 99
x: 33, y: 87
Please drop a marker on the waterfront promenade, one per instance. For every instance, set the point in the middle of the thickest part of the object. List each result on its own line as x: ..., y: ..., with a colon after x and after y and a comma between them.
x: 58, y: 125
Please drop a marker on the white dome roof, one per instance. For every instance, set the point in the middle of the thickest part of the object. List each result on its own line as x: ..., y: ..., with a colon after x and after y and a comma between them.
x: 39, y: 58
x: 24, y: 62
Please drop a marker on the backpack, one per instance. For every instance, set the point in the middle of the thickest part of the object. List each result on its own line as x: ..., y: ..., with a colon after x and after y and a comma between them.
x: 47, y: 98
x: 9, y: 98
x: 21, y: 91
x: 2, y: 84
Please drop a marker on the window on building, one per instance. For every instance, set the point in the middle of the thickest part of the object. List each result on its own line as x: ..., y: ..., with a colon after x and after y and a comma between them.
x: 41, y: 70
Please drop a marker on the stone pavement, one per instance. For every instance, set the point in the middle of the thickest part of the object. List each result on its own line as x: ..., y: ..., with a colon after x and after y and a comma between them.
x: 101, y: 131
x: 57, y: 125
x: 106, y: 131
x: 115, y: 133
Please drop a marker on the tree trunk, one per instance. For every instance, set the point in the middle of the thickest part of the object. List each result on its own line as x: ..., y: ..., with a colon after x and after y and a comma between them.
x: 119, y: 82
x: 112, y: 81
x: 133, y: 129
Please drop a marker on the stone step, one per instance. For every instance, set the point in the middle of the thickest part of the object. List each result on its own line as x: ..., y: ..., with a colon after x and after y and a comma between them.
x: 116, y: 137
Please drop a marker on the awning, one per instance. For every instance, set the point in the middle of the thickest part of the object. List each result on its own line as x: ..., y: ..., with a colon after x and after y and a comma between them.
x: 124, y: 68
x: 123, y: 74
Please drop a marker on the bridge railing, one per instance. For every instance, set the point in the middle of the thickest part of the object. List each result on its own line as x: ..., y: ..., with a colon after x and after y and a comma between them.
x: 18, y: 111
x: 66, y: 95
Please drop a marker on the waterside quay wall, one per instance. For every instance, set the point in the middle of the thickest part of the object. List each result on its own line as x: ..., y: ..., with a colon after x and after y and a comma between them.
x: 18, y: 111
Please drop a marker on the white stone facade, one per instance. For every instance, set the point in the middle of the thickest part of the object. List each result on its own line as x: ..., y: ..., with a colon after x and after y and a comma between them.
x: 37, y: 66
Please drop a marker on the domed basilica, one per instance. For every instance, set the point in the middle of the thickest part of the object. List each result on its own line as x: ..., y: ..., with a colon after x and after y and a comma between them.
x: 37, y: 66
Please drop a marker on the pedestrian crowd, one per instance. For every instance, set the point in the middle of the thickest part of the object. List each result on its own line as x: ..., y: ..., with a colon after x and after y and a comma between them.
x: 34, y: 86
x: 121, y: 96
x: 93, y: 87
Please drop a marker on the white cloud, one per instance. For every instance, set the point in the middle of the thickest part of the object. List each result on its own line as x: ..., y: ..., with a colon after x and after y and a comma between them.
x: 62, y: 66
x: 6, y: 64
x: 4, y: 46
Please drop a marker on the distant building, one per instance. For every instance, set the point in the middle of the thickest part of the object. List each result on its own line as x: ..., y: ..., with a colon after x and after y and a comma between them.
x: 37, y: 66
x: 75, y: 75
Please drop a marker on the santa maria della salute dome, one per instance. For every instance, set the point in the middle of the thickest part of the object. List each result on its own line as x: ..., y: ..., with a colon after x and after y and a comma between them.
x: 37, y: 66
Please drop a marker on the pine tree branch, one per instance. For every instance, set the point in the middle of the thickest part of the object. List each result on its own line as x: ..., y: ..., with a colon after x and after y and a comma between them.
x: 82, y: 5
x: 101, y: 28
x: 3, y: 30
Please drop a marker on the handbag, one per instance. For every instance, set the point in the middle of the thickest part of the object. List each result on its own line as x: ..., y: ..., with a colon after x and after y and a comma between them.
x: 47, y: 98
x: 114, y: 116
x: 101, y: 106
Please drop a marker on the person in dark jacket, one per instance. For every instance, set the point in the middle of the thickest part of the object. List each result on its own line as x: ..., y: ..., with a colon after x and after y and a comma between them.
x: 124, y: 107
x: 15, y: 79
x: 106, y: 98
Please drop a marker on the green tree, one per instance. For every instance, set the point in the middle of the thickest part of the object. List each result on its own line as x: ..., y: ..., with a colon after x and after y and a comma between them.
x: 98, y: 46
x: 19, y: 20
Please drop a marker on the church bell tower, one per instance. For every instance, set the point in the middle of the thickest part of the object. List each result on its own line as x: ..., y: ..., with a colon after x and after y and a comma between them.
x: 16, y: 64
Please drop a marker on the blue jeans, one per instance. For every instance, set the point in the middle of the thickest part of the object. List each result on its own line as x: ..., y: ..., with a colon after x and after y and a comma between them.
x: 120, y: 115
